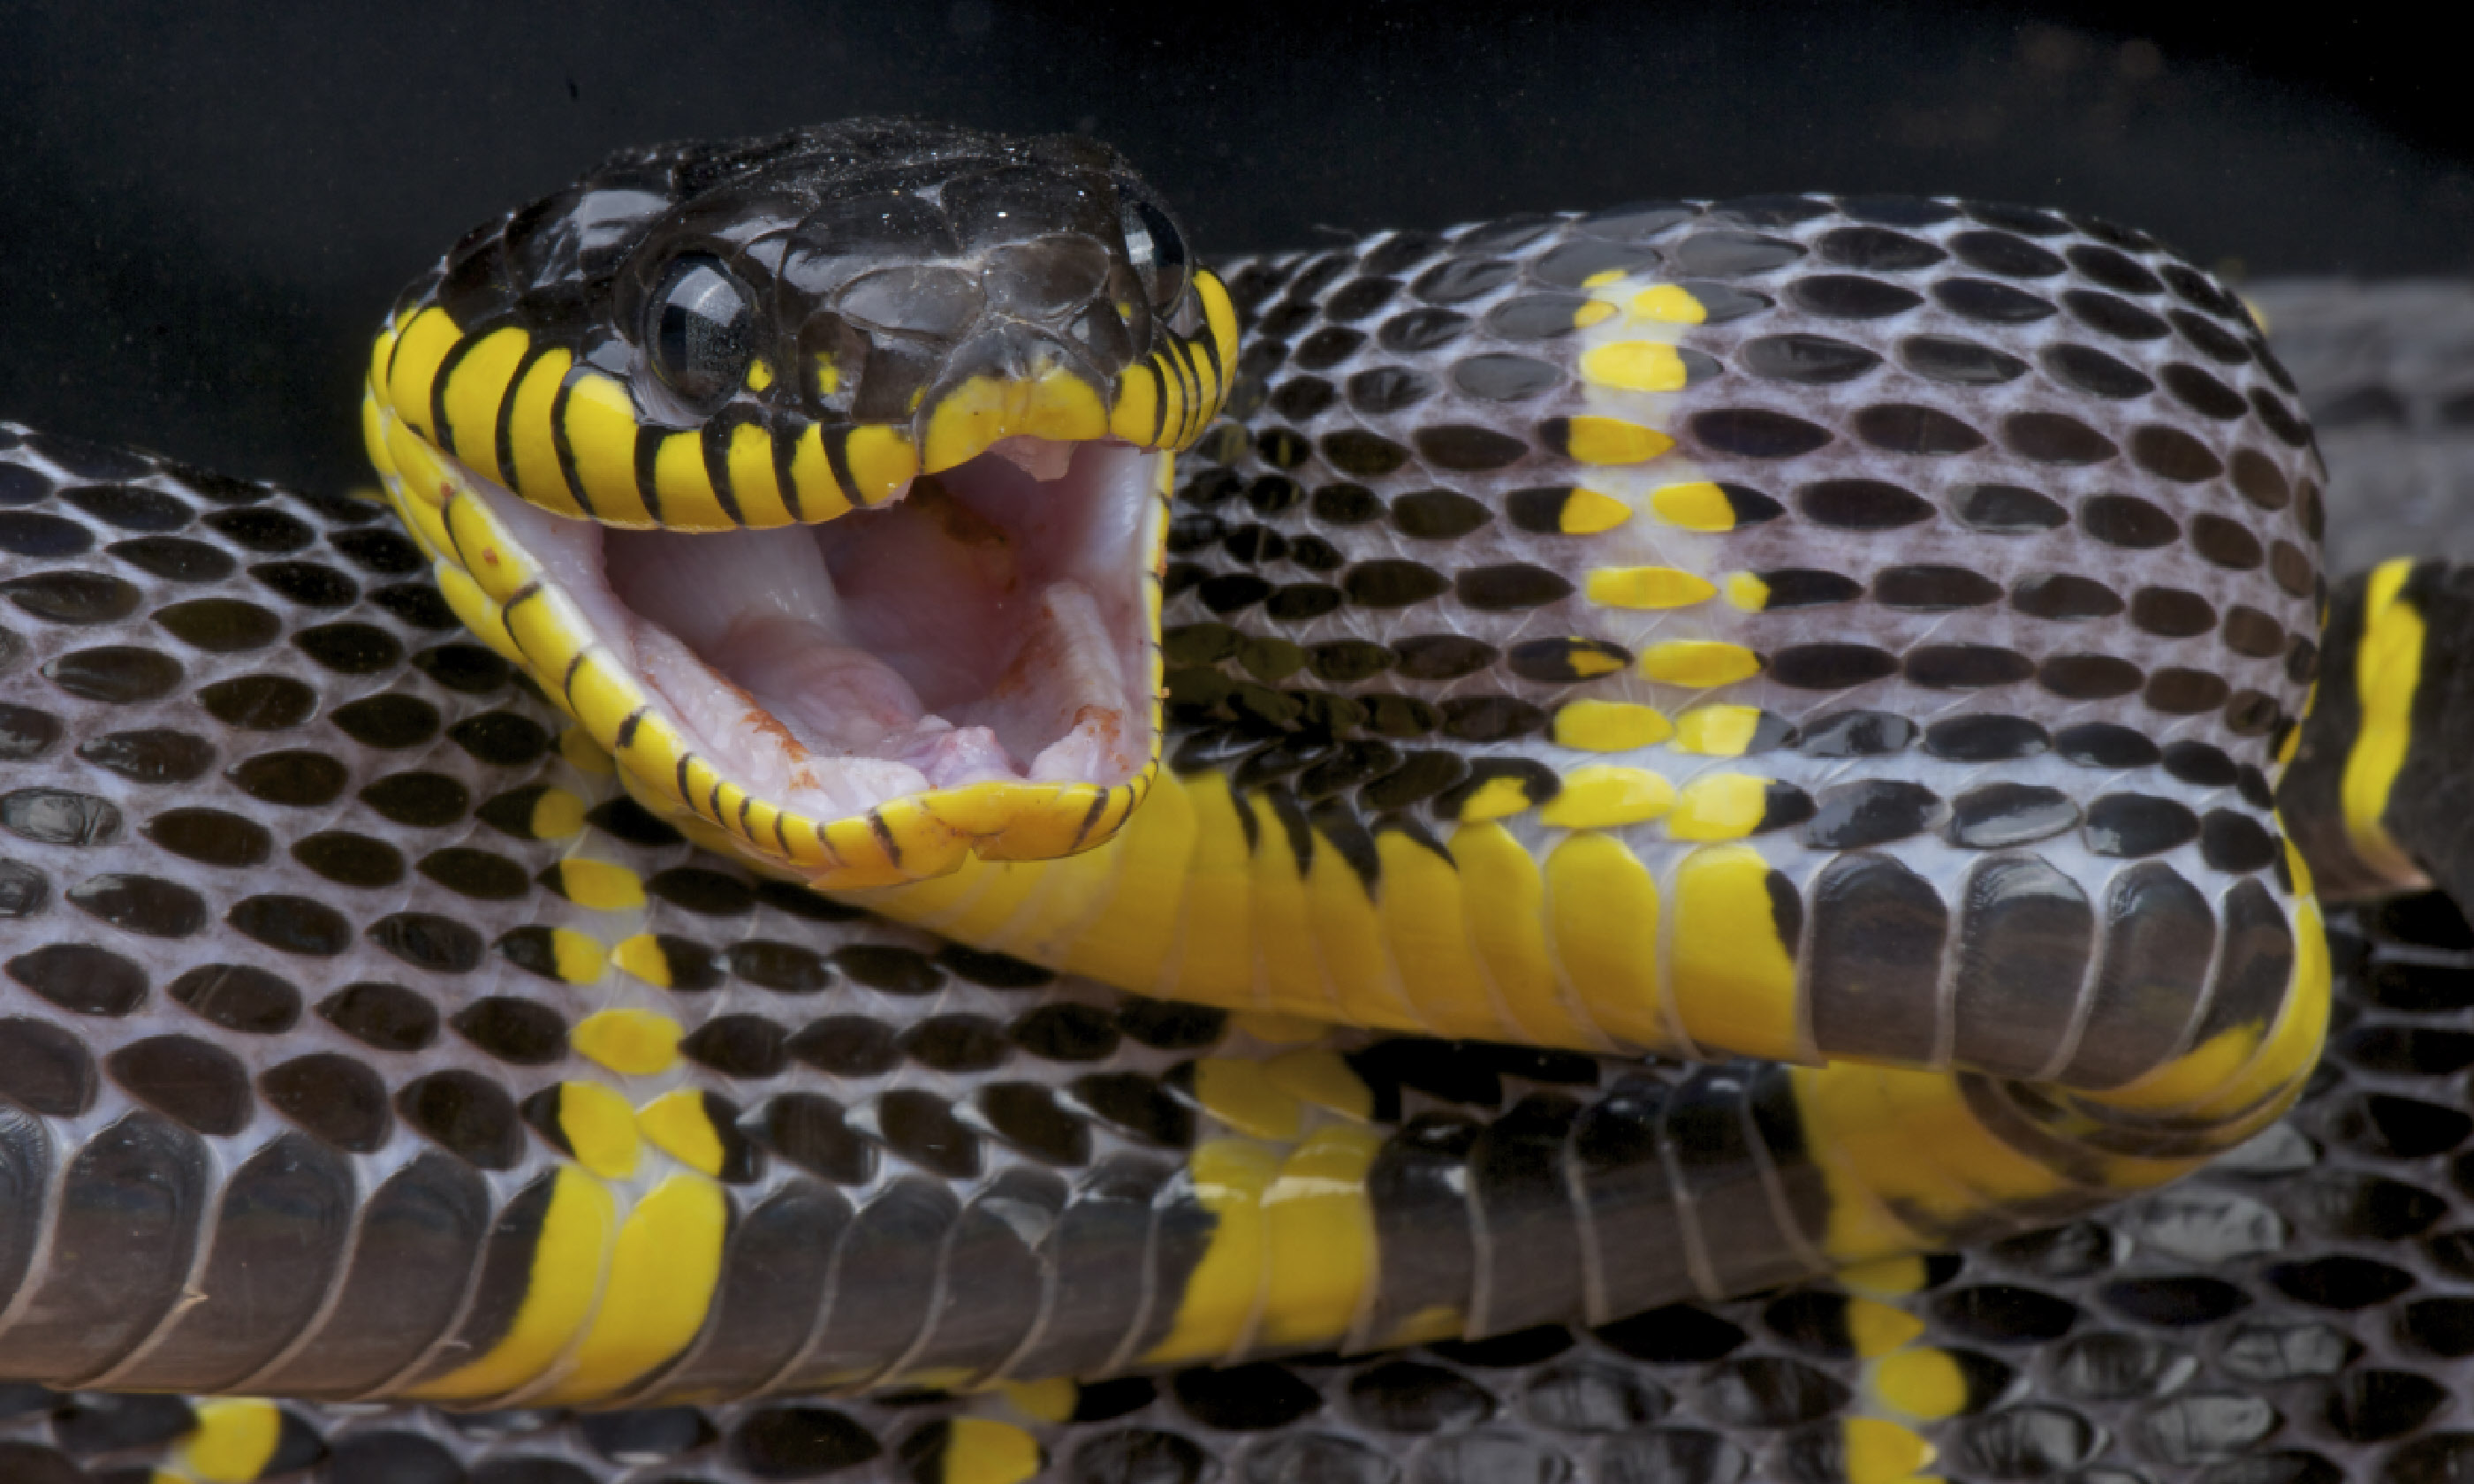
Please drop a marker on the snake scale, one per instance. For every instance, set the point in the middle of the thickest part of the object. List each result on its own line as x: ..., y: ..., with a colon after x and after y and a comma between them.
x: 1631, y: 759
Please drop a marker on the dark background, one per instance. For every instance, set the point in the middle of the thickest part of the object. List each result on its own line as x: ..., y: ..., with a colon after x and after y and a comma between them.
x: 203, y: 210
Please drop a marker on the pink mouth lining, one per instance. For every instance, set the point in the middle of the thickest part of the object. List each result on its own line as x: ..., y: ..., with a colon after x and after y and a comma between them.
x: 987, y: 624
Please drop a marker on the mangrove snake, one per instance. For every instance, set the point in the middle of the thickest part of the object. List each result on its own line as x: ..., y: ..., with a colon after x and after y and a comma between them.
x: 1697, y: 747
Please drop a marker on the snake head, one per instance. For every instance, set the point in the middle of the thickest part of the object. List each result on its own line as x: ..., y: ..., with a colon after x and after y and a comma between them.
x: 822, y: 479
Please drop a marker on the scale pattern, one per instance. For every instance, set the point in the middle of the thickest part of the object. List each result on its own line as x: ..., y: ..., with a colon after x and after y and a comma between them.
x: 2296, y: 1313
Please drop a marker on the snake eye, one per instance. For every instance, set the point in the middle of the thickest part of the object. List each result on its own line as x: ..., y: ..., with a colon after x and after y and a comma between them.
x: 1154, y: 249
x: 700, y: 330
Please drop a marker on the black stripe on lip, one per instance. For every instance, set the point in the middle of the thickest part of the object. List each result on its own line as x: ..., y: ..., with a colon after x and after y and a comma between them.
x: 566, y: 447
x: 440, y: 429
x: 1091, y: 819
x: 502, y: 436
x: 648, y: 451
x: 837, y: 459
x: 715, y: 438
x: 785, y: 450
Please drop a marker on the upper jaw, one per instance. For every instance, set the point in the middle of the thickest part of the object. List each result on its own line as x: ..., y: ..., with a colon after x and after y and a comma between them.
x: 972, y: 667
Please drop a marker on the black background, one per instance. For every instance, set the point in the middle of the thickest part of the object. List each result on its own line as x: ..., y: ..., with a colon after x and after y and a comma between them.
x: 205, y: 209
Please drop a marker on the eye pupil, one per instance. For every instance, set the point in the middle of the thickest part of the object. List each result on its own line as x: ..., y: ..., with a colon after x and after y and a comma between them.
x: 701, y: 332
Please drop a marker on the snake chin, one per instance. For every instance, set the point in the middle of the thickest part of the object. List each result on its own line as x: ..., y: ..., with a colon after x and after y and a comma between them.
x: 989, y: 624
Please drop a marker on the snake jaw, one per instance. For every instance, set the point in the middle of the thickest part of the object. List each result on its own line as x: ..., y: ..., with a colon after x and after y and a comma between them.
x: 971, y: 667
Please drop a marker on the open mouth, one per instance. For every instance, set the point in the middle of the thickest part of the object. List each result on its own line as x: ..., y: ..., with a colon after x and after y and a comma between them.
x: 991, y: 624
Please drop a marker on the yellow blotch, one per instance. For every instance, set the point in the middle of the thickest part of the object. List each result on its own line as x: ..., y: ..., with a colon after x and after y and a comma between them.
x: 475, y: 389
x: 1587, y: 512
x: 631, y: 1042
x: 557, y: 815
x: 2387, y: 668
x: 1747, y: 591
x: 564, y: 1279
x: 233, y: 1441
x: 1602, y: 909
x: 1596, y: 311
x: 1321, y: 1236
x: 1647, y: 586
x: 578, y: 957
x: 584, y: 755
x: 1877, y: 1329
x: 1051, y: 1400
x: 1733, y: 977
x: 1697, y: 506
x: 828, y: 373
x: 1497, y: 798
x: 600, y: 1129
x: 1635, y: 366
x: 641, y: 956
x: 1880, y: 1452
x: 1925, y: 1384
x: 983, y: 1451
x: 600, y: 420
x: 760, y: 374
x: 677, y: 1124
x: 600, y: 885
x: 1602, y: 794
x: 1321, y: 1077
x: 1701, y: 664
x: 1242, y: 1095
x: 1668, y: 304
x: 1225, y: 1289
x: 1591, y: 438
x: 1609, y: 725
x: 662, y: 1271
x: 1718, y: 730
x: 420, y: 348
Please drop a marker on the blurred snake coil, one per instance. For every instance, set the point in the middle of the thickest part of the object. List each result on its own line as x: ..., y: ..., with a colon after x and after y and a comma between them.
x: 928, y: 842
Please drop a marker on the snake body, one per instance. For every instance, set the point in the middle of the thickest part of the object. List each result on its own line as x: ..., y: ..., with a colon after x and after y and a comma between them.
x: 1846, y: 643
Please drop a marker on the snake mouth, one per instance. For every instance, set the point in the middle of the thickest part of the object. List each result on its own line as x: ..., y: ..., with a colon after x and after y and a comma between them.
x: 970, y: 665
x: 981, y: 627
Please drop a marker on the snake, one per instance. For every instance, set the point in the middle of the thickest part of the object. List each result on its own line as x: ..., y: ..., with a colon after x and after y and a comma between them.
x: 923, y: 838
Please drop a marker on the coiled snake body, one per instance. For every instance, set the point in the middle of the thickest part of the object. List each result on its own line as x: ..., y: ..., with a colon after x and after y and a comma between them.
x: 1845, y: 644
